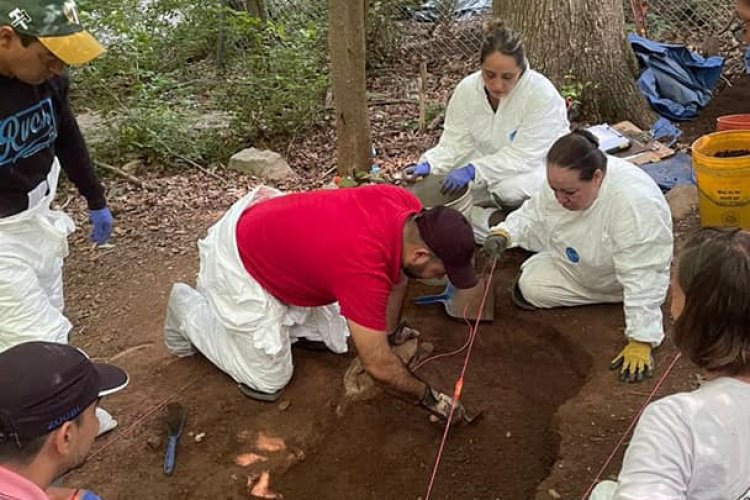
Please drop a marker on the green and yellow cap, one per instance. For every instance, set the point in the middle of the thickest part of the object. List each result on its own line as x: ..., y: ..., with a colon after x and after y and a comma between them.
x: 55, y: 24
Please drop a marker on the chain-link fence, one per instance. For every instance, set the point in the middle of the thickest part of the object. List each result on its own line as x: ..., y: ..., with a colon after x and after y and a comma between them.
x: 705, y: 26
x: 683, y: 20
x: 447, y: 30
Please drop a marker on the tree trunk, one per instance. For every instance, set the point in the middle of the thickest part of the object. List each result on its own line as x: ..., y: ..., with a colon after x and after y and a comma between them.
x: 586, y: 40
x: 257, y: 8
x: 346, y: 40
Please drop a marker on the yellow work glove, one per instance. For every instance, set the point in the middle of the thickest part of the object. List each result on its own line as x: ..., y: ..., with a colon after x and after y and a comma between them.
x: 635, y: 362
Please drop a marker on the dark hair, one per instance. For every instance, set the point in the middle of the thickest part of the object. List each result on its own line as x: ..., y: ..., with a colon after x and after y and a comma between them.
x: 578, y: 150
x: 21, y: 452
x: 500, y: 38
x: 713, y: 330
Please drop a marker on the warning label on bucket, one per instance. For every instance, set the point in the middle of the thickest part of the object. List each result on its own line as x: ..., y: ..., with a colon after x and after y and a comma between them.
x: 729, y: 195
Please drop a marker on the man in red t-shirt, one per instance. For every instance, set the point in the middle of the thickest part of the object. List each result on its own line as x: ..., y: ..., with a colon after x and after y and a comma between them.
x: 317, y: 266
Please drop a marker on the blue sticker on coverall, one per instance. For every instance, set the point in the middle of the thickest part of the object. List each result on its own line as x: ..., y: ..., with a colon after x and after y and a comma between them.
x: 572, y: 255
x: 513, y: 135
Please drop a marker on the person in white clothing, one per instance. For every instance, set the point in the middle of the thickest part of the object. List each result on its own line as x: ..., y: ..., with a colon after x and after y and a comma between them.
x: 694, y: 445
x: 499, y: 124
x: 602, y: 233
x: 39, y: 138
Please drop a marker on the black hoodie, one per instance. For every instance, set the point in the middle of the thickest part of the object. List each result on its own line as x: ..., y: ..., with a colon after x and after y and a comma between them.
x: 36, y: 124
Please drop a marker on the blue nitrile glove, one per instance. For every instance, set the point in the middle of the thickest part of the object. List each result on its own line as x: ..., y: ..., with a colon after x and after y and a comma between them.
x: 102, y: 221
x: 421, y: 169
x: 458, y: 179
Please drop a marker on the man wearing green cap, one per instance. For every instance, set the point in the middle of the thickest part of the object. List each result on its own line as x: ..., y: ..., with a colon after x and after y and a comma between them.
x: 38, y: 137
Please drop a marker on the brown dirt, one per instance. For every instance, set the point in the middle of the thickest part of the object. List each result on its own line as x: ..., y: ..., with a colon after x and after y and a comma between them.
x: 552, y: 411
x: 732, y: 153
x: 733, y: 100
x: 525, y: 365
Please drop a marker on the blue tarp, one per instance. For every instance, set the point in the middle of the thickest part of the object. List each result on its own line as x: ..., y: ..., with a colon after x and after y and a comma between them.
x: 677, y: 83
x: 671, y: 172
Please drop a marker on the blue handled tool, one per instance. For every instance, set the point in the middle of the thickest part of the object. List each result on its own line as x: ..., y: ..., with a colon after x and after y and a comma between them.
x: 464, y: 304
x: 176, y: 414
x: 440, y: 298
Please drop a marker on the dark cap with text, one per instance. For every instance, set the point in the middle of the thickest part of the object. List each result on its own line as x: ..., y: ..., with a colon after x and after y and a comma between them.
x: 45, y: 384
x: 450, y: 237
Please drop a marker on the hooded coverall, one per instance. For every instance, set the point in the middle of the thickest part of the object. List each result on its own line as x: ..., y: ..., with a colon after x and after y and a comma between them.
x: 617, y: 250
x: 507, y: 147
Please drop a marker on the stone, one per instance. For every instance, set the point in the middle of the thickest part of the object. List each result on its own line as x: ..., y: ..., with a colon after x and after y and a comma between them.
x: 153, y: 443
x: 265, y: 164
x: 682, y: 199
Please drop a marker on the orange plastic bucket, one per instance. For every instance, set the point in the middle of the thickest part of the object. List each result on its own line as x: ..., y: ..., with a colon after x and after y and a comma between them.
x: 733, y: 122
x: 723, y: 182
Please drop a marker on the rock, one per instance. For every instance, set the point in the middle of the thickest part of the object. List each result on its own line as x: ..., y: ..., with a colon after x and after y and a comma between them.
x: 200, y: 437
x: 682, y: 199
x: 284, y: 405
x: 261, y: 163
x: 554, y: 494
x: 153, y: 443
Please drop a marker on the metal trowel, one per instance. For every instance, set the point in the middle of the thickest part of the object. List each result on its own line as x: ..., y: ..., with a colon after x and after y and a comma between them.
x: 462, y: 304
x: 176, y: 414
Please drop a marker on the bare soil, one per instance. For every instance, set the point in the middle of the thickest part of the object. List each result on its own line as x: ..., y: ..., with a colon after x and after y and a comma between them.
x: 732, y: 100
x: 524, y: 367
x: 552, y: 410
x: 732, y: 153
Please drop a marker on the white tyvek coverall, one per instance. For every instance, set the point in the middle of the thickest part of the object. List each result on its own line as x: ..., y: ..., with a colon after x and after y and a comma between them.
x: 233, y: 321
x: 508, y: 147
x: 33, y: 244
x: 691, y: 445
x: 617, y: 250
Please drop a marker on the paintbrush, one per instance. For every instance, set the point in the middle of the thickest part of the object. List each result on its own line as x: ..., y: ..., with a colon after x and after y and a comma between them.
x: 176, y: 414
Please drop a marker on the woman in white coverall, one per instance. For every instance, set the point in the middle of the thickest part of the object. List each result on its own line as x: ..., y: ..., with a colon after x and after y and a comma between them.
x: 602, y: 231
x: 694, y: 445
x: 499, y: 125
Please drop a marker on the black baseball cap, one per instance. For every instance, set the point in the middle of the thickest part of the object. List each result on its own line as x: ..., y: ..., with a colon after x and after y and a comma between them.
x: 45, y: 384
x: 450, y: 237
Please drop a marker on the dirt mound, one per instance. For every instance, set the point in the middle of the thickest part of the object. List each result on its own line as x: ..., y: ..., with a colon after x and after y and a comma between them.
x: 733, y: 100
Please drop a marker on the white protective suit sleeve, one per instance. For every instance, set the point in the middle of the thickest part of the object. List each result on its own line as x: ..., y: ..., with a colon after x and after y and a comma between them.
x: 657, y: 462
x: 456, y: 144
x: 642, y: 256
x: 544, y: 121
x: 525, y: 225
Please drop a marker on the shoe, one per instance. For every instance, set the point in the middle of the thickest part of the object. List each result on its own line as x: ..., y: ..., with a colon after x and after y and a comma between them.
x: 174, y: 338
x: 310, y: 345
x: 519, y: 301
x: 106, y: 422
x: 266, y: 397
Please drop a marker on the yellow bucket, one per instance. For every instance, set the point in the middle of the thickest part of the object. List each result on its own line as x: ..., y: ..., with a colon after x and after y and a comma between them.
x: 723, y: 182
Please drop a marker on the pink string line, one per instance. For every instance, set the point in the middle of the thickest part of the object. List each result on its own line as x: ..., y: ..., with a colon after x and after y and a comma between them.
x: 460, y: 382
x: 630, y: 427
